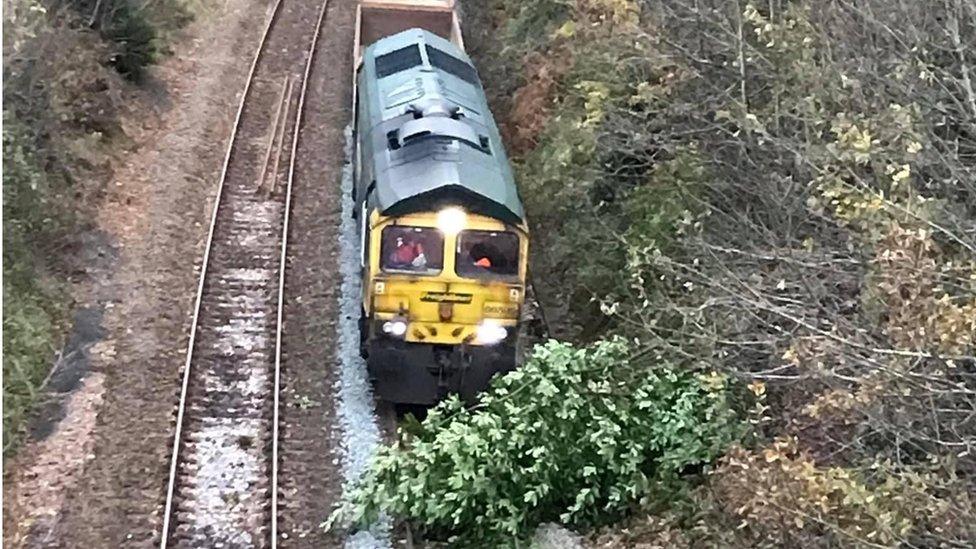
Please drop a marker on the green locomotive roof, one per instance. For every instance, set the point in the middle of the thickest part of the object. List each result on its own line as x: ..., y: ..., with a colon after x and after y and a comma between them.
x: 429, y: 138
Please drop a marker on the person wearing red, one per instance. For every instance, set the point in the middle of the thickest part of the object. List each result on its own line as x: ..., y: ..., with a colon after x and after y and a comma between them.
x: 408, y: 254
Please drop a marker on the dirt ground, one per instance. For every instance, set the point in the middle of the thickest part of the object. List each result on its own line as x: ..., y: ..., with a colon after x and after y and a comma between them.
x: 310, y: 478
x: 97, y: 481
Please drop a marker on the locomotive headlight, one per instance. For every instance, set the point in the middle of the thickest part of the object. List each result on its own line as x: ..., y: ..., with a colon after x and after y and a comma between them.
x: 451, y: 220
x: 490, y: 333
x: 395, y: 328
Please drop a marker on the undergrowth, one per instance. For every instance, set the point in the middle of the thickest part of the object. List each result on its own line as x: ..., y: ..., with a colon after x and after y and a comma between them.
x: 68, y: 72
x: 782, y: 192
x: 33, y: 303
x: 577, y: 435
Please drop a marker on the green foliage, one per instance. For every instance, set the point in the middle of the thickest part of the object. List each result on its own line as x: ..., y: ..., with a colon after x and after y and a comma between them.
x: 60, y: 119
x: 593, y: 193
x: 136, y: 33
x: 32, y: 200
x: 129, y: 28
x: 135, y: 30
x: 577, y: 435
x: 30, y: 305
x: 533, y: 22
x: 31, y: 316
x: 783, y: 192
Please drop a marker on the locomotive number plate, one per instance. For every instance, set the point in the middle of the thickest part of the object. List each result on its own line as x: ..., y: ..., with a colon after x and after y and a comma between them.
x: 503, y: 310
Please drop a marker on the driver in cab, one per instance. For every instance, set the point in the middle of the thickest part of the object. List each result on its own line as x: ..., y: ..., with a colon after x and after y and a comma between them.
x: 408, y: 255
x: 481, y: 256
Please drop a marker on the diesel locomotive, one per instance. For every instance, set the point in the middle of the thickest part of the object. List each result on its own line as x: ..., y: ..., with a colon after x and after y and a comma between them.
x: 444, y: 239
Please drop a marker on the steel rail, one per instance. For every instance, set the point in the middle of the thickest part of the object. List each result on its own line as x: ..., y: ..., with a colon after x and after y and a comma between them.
x: 386, y: 417
x: 281, y: 271
x: 174, y: 461
x: 181, y: 410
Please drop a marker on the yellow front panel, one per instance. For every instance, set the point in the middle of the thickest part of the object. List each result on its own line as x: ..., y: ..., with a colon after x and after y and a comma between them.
x: 442, y: 308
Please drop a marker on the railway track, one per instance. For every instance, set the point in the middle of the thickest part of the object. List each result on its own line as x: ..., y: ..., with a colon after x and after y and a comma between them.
x: 222, y: 489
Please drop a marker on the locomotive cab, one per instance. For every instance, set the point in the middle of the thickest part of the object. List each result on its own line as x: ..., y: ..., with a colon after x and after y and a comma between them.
x: 443, y: 296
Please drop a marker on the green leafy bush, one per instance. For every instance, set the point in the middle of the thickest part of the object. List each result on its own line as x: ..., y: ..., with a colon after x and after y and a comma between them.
x: 135, y: 37
x: 136, y: 32
x: 30, y: 330
x: 31, y: 309
x: 577, y: 435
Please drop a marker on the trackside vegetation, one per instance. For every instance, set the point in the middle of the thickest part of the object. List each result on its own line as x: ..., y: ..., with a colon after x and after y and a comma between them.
x: 578, y: 436
x: 772, y: 204
x: 69, y: 71
x: 32, y: 305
